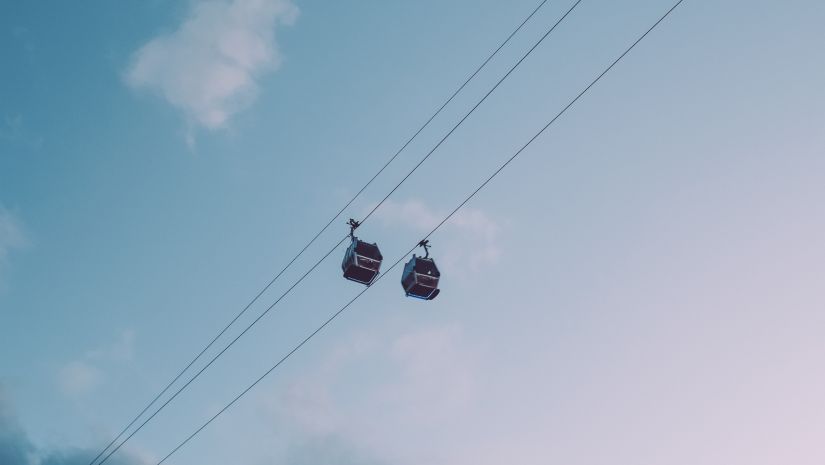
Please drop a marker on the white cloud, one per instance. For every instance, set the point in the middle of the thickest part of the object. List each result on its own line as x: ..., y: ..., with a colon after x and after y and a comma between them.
x: 419, y: 380
x: 469, y: 240
x: 208, y: 68
x: 122, y: 350
x: 17, y: 448
x: 82, y: 376
x: 79, y: 378
x: 437, y: 372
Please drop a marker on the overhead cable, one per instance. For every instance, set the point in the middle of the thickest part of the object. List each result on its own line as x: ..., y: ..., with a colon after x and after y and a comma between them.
x: 443, y: 221
x: 315, y: 237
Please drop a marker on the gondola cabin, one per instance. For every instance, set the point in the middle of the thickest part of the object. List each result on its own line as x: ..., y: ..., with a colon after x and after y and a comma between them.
x: 362, y: 262
x: 420, y: 278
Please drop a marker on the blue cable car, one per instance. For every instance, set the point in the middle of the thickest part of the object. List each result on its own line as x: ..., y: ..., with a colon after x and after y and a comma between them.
x: 362, y: 261
x: 420, y: 277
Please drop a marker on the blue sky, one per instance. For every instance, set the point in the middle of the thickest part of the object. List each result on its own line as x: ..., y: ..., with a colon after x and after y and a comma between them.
x: 644, y: 285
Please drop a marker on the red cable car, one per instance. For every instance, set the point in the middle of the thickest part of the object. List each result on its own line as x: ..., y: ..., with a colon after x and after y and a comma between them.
x: 362, y: 260
x: 420, y: 277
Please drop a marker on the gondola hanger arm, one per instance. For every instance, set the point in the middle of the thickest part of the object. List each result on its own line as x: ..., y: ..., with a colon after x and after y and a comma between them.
x: 353, y: 225
x: 426, y: 245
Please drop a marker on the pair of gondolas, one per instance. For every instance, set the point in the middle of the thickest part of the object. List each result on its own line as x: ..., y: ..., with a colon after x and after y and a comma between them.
x: 362, y: 262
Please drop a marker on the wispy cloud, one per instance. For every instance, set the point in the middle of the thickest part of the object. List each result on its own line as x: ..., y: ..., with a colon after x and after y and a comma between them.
x: 208, y: 68
x: 470, y: 238
x: 328, y: 449
x: 16, y: 448
x: 81, y: 377
x: 78, y: 378
x: 122, y: 350
x: 418, y: 379
x: 437, y: 372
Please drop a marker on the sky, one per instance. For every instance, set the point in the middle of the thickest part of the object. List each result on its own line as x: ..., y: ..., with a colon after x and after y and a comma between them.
x: 643, y: 285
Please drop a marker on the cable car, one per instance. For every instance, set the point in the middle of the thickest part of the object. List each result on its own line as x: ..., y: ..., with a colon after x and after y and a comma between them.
x: 362, y: 261
x: 420, y: 276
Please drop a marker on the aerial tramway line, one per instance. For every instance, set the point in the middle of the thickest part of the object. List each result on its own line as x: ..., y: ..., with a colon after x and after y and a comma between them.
x: 355, y: 266
x: 362, y: 260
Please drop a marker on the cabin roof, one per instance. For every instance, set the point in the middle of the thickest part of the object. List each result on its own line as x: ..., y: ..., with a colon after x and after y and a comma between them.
x: 368, y: 250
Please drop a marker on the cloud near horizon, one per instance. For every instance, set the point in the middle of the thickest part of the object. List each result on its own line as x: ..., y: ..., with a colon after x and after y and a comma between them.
x: 16, y: 448
x: 208, y: 68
